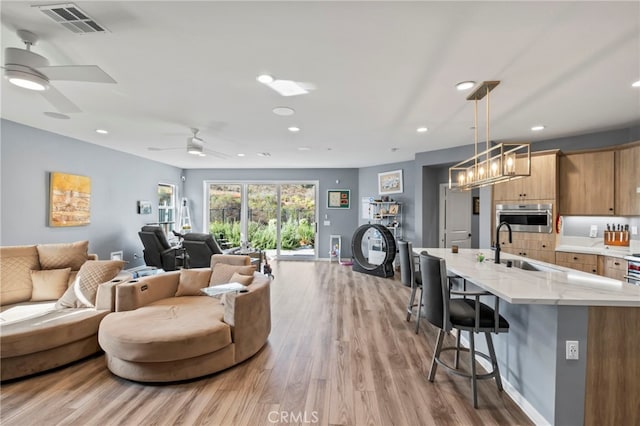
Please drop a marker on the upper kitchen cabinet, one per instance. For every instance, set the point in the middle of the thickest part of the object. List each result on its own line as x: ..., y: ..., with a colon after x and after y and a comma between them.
x: 541, y: 185
x: 627, y: 181
x: 587, y: 183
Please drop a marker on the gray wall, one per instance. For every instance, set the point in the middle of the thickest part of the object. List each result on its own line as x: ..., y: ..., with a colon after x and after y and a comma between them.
x: 368, y: 187
x: 28, y: 155
x: 343, y: 221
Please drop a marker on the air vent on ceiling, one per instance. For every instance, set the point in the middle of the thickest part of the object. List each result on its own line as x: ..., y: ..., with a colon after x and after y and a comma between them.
x: 72, y: 18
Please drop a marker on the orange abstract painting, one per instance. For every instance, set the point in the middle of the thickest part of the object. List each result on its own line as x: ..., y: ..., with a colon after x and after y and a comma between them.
x: 69, y: 200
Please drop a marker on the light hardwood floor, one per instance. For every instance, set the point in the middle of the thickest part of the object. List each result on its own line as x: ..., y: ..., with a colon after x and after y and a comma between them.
x: 340, y: 353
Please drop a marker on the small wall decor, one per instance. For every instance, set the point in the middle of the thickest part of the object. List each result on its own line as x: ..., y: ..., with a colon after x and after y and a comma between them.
x: 390, y: 182
x: 476, y: 205
x: 338, y: 199
x: 69, y: 200
x: 393, y: 209
x: 144, y: 207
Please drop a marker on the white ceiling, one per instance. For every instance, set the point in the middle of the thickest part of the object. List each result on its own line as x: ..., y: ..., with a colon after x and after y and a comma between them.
x: 381, y: 69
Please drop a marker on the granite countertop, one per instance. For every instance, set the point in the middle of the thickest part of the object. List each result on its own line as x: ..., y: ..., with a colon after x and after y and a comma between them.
x: 556, y: 285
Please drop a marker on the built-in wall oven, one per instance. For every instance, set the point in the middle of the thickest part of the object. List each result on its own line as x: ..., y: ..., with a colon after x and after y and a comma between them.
x: 526, y: 217
x: 633, y: 269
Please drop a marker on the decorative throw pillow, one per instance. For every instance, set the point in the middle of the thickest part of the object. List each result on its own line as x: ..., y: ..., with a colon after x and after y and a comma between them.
x: 192, y: 280
x: 242, y: 279
x: 63, y: 255
x: 222, y: 273
x: 49, y: 284
x: 83, y: 291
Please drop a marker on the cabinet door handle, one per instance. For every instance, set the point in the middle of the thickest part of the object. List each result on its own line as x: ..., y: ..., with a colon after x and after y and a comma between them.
x: 544, y: 246
x: 575, y: 258
x: 611, y: 209
x: 593, y: 270
x: 617, y: 263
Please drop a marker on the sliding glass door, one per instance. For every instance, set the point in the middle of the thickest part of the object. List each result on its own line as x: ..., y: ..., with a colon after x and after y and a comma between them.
x: 279, y: 217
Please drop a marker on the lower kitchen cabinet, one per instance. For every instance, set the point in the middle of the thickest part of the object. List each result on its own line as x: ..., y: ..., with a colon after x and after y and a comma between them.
x: 532, y: 245
x: 612, y: 267
x: 580, y: 261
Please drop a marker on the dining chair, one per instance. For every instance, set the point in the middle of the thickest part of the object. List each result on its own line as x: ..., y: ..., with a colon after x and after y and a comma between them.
x: 464, y: 313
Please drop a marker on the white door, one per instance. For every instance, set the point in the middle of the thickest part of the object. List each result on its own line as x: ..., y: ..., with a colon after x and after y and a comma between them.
x: 455, y: 217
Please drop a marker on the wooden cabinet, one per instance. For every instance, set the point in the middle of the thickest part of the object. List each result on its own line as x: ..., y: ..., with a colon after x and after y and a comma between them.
x: 587, y: 183
x: 627, y: 181
x: 534, y: 246
x: 612, y: 267
x: 579, y: 261
x: 541, y: 185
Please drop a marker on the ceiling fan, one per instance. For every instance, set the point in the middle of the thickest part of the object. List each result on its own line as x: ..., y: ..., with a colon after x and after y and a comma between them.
x: 32, y: 71
x: 195, y: 146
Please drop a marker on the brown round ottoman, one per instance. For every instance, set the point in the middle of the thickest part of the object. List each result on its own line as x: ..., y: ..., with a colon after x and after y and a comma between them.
x: 172, y: 339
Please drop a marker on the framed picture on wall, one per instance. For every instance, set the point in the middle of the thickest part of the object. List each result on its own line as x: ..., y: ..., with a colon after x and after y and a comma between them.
x: 390, y: 182
x: 338, y: 199
x: 144, y: 207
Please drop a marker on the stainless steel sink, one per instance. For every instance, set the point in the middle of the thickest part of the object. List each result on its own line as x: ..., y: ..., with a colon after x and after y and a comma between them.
x: 528, y: 266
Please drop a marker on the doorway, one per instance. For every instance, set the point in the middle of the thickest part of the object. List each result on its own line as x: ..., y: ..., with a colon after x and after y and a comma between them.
x: 277, y: 217
x: 455, y: 217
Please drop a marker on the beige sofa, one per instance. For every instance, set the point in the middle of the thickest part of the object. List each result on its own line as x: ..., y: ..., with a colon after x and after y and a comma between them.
x: 162, y: 332
x: 36, y: 332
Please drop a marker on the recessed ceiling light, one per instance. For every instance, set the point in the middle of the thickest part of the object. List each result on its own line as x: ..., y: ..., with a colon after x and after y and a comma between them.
x: 283, y: 111
x: 265, y: 78
x: 537, y: 128
x: 102, y: 131
x: 294, y: 129
x: 636, y: 84
x: 57, y: 115
x: 422, y: 129
x: 304, y: 148
x: 264, y: 154
x: 240, y: 155
x: 465, y: 85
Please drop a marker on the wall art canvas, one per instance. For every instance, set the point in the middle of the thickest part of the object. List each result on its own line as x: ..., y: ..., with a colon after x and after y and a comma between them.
x: 390, y: 182
x: 144, y: 207
x: 69, y: 200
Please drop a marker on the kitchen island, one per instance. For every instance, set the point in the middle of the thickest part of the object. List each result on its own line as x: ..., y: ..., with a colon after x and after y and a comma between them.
x: 546, y: 306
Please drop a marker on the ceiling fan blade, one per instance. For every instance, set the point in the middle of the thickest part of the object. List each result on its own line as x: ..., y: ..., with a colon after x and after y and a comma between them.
x: 156, y: 149
x: 59, y: 101
x: 221, y: 155
x: 90, y: 73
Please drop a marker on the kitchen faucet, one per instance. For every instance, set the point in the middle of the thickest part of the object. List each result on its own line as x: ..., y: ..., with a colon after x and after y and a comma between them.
x: 497, y: 255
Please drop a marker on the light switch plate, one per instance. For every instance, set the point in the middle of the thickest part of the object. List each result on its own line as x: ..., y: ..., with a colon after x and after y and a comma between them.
x: 593, y: 232
x: 634, y: 230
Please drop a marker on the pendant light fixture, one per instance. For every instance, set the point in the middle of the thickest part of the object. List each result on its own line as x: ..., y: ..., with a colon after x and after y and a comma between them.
x: 499, y: 163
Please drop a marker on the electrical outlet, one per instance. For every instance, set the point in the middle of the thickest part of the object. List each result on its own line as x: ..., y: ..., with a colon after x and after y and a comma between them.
x: 593, y: 231
x: 572, y: 349
x: 634, y: 230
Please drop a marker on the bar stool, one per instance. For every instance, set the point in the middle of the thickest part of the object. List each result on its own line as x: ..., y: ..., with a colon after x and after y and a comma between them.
x: 462, y: 314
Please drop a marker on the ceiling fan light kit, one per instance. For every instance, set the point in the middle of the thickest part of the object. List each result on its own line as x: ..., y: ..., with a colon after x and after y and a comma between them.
x: 26, y: 79
x: 502, y: 162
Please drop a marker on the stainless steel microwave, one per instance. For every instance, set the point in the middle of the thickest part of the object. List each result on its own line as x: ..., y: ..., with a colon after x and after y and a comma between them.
x: 526, y: 217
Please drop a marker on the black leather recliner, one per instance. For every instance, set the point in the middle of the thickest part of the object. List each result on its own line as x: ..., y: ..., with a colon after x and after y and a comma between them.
x: 157, y: 250
x: 200, y: 247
